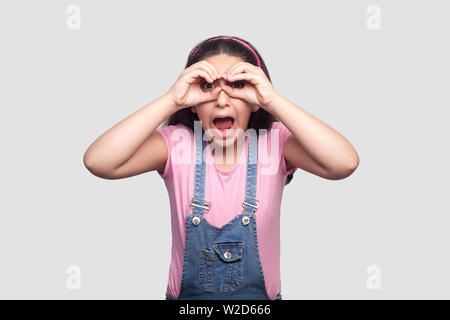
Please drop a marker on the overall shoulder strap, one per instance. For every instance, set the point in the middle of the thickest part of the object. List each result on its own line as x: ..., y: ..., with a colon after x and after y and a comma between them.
x: 250, y: 202
x: 198, y: 202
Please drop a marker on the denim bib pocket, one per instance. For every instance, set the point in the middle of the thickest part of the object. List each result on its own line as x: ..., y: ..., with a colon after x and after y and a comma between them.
x: 221, y: 268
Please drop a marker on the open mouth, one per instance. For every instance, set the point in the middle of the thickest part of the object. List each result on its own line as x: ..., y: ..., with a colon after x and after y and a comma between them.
x: 224, y: 124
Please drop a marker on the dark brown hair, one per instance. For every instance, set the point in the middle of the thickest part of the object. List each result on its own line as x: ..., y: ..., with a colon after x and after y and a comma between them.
x: 260, y: 119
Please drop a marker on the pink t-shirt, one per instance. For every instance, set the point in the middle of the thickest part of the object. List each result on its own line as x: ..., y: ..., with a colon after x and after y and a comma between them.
x: 225, y: 190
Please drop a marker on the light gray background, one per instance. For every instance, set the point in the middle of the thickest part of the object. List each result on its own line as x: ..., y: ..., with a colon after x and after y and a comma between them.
x: 385, y: 90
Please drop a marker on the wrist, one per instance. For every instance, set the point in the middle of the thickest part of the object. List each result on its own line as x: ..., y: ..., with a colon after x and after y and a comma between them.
x: 272, y: 106
x: 167, y: 100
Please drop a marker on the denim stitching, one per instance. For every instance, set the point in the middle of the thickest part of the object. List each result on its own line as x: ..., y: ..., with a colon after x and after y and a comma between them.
x: 232, y: 273
x: 253, y: 222
x: 206, y: 266
x: 186, y: 248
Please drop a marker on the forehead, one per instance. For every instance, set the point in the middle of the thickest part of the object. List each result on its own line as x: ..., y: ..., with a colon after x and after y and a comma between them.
x: 223, y: 62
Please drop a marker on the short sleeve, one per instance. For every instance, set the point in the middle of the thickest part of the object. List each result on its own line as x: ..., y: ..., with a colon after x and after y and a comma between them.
x: 284, y: 134
x: 178, y: 141
x: 165, y: 133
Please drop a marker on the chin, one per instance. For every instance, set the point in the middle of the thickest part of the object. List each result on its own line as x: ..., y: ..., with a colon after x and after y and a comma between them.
x: 224, y: 141
x: 230, y: 140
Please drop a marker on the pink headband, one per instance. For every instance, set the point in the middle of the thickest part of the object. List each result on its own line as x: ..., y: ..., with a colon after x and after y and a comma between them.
x: 259, y: 64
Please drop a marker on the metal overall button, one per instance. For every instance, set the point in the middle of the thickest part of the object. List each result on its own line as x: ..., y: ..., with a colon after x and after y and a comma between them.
x: 227, y: 255
x: 245, y: 220
x: 196, y: 221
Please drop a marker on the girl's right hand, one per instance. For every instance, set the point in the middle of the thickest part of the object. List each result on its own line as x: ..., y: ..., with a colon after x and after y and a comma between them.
x: 188, y: 90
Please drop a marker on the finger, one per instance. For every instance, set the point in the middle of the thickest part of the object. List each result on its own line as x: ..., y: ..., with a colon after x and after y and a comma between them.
x: 244, y: 76
x: 234, y: 93
x: 227, y: 90
x: 212, y: 70
x: 242, y: 67
x: 201, y: 65
x: 203, y: 74
x: 233, y: 68
x: 215, y: 92
x: 211, y: 95
x: 212, y: 67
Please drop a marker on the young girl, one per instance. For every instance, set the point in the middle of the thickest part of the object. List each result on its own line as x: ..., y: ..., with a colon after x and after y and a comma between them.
x: 229, y: 145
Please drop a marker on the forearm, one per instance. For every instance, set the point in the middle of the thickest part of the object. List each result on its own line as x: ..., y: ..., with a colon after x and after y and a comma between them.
x: 323, y: 143
x: 119, y: 143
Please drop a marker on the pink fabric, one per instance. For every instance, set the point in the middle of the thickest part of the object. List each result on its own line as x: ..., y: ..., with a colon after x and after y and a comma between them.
x: 225, y: 190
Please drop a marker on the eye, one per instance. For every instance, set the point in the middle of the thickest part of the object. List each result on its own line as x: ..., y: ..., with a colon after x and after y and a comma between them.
x: 239, y: 83
x: 204, y: 82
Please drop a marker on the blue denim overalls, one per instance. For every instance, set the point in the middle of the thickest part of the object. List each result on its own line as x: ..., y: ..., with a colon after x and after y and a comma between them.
x: 222, y: 263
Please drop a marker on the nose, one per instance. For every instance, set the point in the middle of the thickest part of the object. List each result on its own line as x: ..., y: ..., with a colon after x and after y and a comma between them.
x: 223, y: 100
x: 220, y: 83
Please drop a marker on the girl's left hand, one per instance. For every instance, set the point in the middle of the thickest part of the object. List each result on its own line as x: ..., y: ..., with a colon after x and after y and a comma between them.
x: 257, y: 89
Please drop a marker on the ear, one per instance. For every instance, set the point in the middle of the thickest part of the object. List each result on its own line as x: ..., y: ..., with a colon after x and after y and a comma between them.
x: 194, y: 109
x: 255, y: 108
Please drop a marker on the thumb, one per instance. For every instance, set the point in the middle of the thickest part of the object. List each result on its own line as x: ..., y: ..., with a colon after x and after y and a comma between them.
x: 231, y: 92
x: 213, y: 94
